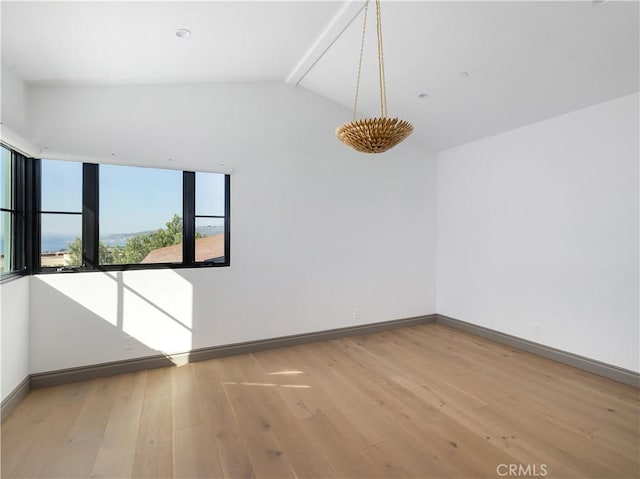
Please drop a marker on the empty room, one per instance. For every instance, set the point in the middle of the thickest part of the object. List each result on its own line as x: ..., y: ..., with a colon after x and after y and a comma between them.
x: 320, y: 239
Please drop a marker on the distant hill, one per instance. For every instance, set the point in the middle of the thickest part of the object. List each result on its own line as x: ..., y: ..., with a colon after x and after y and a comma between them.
x: 120, y: 239
x: 209, y: 230
x: 59, y: 242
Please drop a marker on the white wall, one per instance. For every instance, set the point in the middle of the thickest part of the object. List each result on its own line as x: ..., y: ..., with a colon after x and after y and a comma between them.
x: 13, y: 98
x: 14, y: 295
x: 316, y: 228
x: 540, y: 224
x: 14, y: 333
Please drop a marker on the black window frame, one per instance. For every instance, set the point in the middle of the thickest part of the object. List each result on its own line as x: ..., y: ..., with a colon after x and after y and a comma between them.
x: 39, y: 212
x: 193, y: 215
x: 91, y: 224
x: 20, y: 171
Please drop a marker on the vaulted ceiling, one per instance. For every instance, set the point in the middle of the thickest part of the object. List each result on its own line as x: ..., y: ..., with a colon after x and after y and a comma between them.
x: 485, y: 67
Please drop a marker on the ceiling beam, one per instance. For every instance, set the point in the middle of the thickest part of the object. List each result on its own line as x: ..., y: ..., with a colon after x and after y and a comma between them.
x: 327, y: 38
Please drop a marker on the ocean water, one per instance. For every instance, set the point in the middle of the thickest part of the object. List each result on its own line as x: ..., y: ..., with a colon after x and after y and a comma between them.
x: 54, y: 243
x: 49, y: 245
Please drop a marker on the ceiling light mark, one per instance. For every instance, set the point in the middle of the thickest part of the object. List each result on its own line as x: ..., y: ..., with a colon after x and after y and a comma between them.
x: 183, y: 33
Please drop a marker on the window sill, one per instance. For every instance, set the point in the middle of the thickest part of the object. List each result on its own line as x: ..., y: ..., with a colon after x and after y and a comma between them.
x: 11, y: 276
x: 132, y: 267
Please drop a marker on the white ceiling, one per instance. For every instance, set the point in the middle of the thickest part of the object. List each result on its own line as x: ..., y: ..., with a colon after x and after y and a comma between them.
x: 135, y: 42
x: 527, y: 61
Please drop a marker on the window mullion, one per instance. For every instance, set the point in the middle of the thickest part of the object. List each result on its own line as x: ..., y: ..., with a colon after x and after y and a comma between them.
x: 14, y: 240
x: 33, y: 218
x: 90, y: 207
x: 19, y: 206
x: 227, y: 214
x: 188, y: 217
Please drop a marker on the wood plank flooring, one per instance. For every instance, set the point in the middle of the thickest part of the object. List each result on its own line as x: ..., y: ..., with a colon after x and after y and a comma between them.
x: 420, y: 402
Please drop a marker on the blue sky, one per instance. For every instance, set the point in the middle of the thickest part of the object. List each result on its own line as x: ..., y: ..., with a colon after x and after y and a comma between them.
x: 5, y: 175
x: 132, y: 199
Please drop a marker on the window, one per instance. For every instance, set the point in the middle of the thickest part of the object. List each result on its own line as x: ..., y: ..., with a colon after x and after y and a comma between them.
x: 140, y: 215
x: 7, y: 212
x: 111, y: 217
x: 210, y: 218
x: 61, y: 214
x: 12, y: 212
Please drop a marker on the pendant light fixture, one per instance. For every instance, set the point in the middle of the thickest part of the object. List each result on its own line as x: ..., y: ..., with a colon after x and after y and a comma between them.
x: 373, y: 135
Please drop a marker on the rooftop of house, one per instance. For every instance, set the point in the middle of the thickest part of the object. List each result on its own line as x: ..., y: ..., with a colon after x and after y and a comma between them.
x: 207, y: 248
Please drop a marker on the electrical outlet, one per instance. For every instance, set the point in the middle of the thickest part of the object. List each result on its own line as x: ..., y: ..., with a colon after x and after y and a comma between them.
x: 128, y: 342
x: 356, y: 313
x: 536, y: 328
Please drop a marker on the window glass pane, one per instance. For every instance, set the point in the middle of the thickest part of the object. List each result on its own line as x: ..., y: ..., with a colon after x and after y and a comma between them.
x: 5, y: 179
x: 140, y: 215
x: 60, y: 243
x: 209, y: 194
x: 210, y: 240
x: 61, y: 186
x: 5, y: 241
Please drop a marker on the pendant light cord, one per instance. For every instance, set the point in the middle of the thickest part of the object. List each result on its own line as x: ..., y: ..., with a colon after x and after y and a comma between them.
x: 381, y: 75
x: 383, y: 82
x: 364, y: 29
x: 373, y: 135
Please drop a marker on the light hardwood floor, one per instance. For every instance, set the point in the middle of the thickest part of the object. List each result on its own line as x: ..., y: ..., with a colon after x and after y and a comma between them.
x: 425, y: 402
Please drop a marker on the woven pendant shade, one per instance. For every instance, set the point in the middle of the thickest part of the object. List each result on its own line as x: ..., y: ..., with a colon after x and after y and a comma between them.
x: 374, y: 135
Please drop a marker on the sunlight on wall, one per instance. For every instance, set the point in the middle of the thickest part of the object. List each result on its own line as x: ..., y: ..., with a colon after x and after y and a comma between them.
x: 98, y: 294
x: 159, y: 313
x: 153, y: 307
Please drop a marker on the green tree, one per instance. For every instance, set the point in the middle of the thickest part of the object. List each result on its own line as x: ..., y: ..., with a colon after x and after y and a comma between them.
x: 105, y: 255
x: 137, y: 247
x: 75, y: 252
